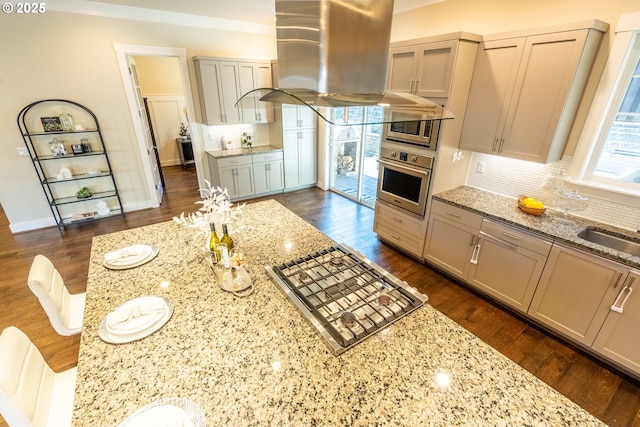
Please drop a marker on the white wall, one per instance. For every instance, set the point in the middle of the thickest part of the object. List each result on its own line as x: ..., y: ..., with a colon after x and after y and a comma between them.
x: 70, y: 56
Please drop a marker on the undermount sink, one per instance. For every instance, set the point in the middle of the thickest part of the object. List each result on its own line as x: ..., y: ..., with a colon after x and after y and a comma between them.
x: 603, y: 238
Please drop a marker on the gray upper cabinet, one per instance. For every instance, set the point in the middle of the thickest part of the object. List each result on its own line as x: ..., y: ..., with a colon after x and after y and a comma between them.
x: 255, y: 75
x: 424, y: 70
x: 526, y: 90
x: 218, y: 88
x: 221, y: 82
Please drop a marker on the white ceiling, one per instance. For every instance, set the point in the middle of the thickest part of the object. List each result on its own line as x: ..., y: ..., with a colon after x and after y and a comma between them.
x: 258, y: 11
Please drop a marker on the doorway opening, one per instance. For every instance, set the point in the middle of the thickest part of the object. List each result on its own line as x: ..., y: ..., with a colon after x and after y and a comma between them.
x: 355, y: 149
x: 150, y: 153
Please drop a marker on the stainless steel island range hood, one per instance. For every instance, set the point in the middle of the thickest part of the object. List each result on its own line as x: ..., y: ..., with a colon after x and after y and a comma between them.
x: 334, y: 53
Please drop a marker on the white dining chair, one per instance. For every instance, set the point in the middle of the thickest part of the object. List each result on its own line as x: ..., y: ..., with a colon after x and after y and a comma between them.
x: 31, y: 393
x: 65, y: 310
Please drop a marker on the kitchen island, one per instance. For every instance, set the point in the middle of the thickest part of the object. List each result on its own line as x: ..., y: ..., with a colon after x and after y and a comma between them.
x: 256, y: 361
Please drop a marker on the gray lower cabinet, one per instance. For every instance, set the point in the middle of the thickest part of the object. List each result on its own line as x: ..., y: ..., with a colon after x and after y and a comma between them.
x: 399, y: 229
x: 618, y: 337
x: 248, y: 175
x: 581, y: 296
x: 497, y: 259
x: 575, y: 292
x: 236, y: 175
x: 268, y: 172
x: 507, y: 263
x: 451, y: 238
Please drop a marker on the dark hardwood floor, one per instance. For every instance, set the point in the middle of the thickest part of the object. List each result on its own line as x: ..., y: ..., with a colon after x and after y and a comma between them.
x: 607, y: 394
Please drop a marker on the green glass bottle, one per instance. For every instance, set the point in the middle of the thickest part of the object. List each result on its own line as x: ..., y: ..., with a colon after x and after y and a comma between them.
x: 213, y: 242
x: 226, y: 239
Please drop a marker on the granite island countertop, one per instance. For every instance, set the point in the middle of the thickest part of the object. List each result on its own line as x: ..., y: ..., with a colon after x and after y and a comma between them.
x: 256, y: 149
x: 549, y: 224
x: 255, y: 361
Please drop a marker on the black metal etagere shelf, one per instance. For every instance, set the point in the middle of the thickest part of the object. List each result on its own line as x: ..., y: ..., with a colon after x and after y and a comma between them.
x: 90, y: 168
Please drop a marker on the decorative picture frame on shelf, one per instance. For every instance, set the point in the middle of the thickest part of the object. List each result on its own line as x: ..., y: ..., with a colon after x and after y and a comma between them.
x: 51, y: 124
x: 77, y: 149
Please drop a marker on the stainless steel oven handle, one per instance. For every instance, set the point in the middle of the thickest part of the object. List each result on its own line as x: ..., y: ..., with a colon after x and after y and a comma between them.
x: 420, y: 171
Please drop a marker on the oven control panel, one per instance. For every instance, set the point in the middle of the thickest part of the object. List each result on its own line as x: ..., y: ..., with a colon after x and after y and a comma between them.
x: 407, y: 157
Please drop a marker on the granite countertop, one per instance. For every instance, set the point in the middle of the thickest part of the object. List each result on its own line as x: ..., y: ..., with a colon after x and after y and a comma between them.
x: 549, y: 224
x: 256, y: 149
x: 255, y: 361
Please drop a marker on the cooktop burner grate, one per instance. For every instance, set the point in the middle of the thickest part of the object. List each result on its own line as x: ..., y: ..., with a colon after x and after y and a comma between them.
x: 344, y: 295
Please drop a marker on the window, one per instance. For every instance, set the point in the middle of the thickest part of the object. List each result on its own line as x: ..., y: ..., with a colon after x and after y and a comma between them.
x: 615, y: 157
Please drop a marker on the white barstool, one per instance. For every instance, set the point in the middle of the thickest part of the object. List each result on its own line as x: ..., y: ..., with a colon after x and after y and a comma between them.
x: 65, y: 310
x: 31, y: 393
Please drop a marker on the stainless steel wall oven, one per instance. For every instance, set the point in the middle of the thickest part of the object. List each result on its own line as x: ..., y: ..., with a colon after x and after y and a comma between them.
x: 404, y: 178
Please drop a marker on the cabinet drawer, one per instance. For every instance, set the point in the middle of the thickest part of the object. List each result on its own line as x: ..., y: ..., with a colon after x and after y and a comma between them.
x: 267, y: 157
x: 233, y: 161
x: 456, y: 214
x: 412, y: 243
x: 516, y: 237
x: 399, y: 221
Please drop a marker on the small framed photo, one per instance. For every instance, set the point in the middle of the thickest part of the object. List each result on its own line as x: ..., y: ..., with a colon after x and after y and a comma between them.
x: 77, y: 149
x: 51, y: 124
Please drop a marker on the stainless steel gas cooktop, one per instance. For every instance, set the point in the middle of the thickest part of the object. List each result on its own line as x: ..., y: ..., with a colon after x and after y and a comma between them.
x: 345, y: 296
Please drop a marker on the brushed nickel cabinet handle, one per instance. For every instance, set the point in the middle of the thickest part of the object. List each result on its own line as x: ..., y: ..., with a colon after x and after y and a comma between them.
x: 511, y: 236
x: 627, y: 293
x: 617, y: 282
x: 475, y: 254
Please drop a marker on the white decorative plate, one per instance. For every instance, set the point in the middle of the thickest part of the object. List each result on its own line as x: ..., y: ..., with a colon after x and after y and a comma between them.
x: 170, y: 412
x: 135, y: 319
x: 130, y: 256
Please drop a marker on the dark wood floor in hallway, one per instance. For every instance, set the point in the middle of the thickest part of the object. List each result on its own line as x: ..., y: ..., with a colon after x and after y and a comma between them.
x: 607, y: 394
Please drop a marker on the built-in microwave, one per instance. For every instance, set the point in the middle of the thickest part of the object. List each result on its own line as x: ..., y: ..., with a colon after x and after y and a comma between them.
x: 411, y: 127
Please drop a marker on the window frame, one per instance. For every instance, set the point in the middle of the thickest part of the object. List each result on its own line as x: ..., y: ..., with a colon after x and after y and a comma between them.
x: 607, y: 100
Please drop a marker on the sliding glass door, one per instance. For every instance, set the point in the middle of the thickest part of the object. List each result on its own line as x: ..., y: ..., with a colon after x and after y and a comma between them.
x: 355, y: 148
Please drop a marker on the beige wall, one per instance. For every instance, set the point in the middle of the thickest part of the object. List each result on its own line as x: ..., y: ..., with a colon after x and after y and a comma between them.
x: 58, y: 55
x: 496, y: 16
x: 159, y: 75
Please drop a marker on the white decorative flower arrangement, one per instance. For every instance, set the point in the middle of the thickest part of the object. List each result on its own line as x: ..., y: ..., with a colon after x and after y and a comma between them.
x: 216, y: 208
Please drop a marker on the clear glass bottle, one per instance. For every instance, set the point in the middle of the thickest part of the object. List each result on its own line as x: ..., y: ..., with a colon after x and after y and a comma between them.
x: 226, y: 239
x: 66, y: 120
x: 57, y: 147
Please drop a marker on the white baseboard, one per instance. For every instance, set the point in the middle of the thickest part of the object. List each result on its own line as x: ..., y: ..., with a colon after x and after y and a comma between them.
x: 36, y: 224
x: 32, y: 225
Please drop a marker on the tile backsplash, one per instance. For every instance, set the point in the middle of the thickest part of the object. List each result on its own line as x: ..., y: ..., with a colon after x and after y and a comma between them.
x: 512, y: 177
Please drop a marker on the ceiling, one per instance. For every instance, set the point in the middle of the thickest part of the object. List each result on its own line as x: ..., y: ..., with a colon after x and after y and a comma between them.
x: 257, y: 11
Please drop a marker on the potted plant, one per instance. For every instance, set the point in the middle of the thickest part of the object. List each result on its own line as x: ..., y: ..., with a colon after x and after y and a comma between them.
x: 246, y: 140
x: 184, y: 131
